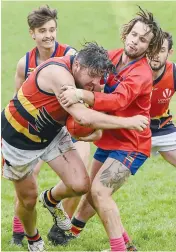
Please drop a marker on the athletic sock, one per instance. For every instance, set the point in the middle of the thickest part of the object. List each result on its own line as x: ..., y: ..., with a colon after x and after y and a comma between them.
x: 117, y: 244
x: 77, y: 226
x: 17, y: 225
x: 35, y: 238
x: 126, y: 237
x: 50, y: 201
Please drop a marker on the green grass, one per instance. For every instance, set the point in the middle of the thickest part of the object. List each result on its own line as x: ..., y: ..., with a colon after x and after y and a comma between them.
x: 147, y: 201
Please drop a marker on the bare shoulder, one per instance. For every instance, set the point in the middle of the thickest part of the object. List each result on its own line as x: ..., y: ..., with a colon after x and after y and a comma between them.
x: 21, y: 65
x: 53, y: 77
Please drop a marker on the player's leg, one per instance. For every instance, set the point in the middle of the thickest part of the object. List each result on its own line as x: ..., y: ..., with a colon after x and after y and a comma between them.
x: 17, y: 226
x: 38, y: 167
x: 26, y: 190
x: 63, y: 158
x: 169, y: 156
x: 19, y: 169
x: 165, y: 144
x: 18, y: 230
x: 85, y: 211
x: 74, y: 181
x: 112, y: 175
x: 83, y: 149
x: 110, y: 178
x: 72, y: 172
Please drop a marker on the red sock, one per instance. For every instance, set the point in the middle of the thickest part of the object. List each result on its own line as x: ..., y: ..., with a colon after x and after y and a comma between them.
x: 17, y: 225
x: 126, y: 237
x: 117, y: 244
x: 77, y: 226
x: 76, y: 230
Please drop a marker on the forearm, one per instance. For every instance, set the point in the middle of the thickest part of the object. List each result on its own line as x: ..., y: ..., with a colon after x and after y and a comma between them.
x: 106, y: 102
x: 94, y: 119
x: 98, y: 120
x: 88, y: 97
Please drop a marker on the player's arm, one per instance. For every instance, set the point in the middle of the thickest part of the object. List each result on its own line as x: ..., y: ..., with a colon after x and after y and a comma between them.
x: 20, y: 73
x: 97, y: 120
x: 59, y: 78
x: 124, y: 94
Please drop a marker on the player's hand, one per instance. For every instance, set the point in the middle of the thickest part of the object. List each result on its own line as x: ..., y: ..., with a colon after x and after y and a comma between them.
x: 96, y: 135
x: 70, y: 95
x: 138, y: 122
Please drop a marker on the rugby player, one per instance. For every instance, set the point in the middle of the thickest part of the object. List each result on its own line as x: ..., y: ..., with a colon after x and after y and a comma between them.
x: 33, y: 127
x: 43, y: 30
x: 120, y: 152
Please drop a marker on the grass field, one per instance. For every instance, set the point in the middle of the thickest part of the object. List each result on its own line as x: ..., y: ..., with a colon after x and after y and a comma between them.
x: 147, y: 201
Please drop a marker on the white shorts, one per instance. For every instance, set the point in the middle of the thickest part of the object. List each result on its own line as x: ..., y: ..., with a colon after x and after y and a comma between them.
x: 20, y: 163
x: 163, y: 143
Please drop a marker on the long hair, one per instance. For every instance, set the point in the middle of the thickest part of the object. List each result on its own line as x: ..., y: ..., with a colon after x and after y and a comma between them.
x: 169, y: 38
x: 148, y: 19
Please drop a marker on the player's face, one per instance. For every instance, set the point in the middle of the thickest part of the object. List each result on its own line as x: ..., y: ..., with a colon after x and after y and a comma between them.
x: 85, y: 80
x: 45, y: 35
x: 137, y: 41
x: 160, y: 59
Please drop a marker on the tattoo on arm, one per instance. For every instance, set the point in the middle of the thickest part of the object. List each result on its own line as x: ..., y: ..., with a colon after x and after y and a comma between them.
x: 114, y: 175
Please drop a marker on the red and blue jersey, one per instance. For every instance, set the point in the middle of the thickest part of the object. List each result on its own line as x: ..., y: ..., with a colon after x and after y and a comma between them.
x: 127, y: 93
x: 164, y: 88
x: 59, y: 51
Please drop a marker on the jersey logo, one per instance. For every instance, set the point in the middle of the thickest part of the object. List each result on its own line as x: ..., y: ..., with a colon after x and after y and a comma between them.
x: 167, y: 93
x: 30, y: 70
x: 45, y: 126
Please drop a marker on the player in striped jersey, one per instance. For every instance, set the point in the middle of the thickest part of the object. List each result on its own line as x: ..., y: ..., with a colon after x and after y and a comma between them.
x: 33, y: 126
x: 164, y: 87
x: 126, y: 93
x: 43, y: 27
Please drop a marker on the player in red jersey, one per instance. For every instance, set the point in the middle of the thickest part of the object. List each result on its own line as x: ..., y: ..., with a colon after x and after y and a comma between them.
x: 33, y: 127
x: 164, y: 87
x: 43, y: 27
x: 120, y: 152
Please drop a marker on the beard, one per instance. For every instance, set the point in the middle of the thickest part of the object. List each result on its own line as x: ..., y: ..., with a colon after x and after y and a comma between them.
x: 158, y: 67
x: 134, y: 55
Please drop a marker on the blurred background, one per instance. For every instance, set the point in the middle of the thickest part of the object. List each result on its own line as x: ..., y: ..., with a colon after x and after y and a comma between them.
x: 147, y: 202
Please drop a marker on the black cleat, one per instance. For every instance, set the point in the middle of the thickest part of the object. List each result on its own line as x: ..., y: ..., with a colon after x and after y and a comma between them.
x: 57, y: 236
x: 131, y: 247
x: 17, y: 239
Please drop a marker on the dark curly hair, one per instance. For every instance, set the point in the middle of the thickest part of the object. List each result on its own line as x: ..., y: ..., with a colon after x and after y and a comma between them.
x: 169, y: 38
x: 95, y: 58
x: 148, y: 19
x: 40, y: 16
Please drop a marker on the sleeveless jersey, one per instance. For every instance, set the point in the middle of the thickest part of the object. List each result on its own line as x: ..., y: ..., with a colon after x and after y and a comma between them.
x: 31, y: 57
x: 34, y: 117
x: 164, y: 88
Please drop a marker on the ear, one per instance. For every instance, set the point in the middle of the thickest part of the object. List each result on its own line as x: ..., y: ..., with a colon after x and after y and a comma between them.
x: 171, y: 52
x: 77, y: 64
x: 31, y: 32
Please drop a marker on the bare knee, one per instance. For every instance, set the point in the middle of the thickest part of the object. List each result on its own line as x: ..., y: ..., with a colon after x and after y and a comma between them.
x: 98, y: 194
x: 29, y: 201
x: 81, y: 187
